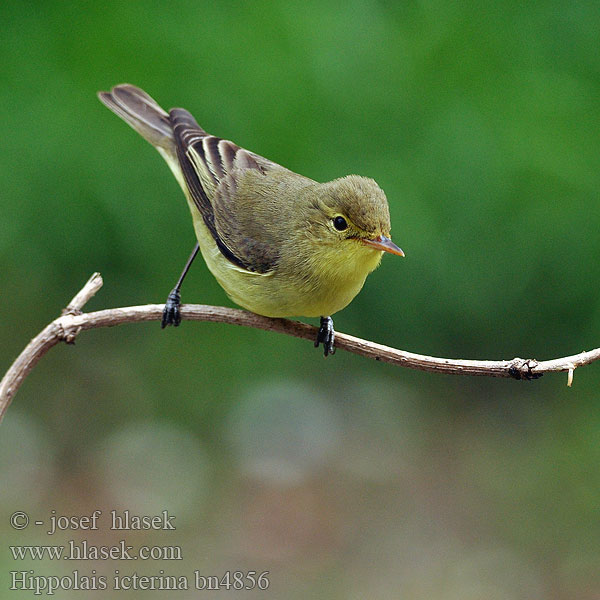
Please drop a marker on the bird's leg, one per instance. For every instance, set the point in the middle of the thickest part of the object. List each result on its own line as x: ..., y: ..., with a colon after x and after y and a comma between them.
x: 171, y: 313
x: 326, y: 336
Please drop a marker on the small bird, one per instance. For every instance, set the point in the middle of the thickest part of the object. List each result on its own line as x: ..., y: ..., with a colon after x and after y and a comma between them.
x: 278, y: 243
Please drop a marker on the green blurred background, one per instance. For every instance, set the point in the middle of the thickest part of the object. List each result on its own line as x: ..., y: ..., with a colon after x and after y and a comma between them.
x: 344, y: 478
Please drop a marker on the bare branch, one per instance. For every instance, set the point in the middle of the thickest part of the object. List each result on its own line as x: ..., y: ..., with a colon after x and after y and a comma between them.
x: 93, y: 284
x: 72, y: 322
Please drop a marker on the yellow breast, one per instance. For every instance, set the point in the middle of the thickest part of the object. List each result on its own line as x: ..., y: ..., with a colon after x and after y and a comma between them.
x: 313, y: 282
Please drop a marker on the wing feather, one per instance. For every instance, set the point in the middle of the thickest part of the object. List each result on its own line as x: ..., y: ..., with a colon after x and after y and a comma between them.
x: 211, y: 167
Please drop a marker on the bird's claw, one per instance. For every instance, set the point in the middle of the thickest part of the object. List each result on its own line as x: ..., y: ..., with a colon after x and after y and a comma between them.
x: 326, y: 336
x: 171, y: 313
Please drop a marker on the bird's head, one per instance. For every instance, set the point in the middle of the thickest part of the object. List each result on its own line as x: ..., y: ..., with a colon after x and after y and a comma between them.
x: 353, y: 214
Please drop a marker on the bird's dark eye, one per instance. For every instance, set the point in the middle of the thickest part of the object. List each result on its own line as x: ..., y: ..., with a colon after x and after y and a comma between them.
x: 340, y: 223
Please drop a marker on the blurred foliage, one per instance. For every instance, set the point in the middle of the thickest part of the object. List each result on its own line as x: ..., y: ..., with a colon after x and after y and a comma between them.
x: 345, y: 478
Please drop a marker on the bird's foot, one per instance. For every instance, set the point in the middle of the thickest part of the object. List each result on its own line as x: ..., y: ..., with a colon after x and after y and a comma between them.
x: 171, y: 313
x: 326, y: 336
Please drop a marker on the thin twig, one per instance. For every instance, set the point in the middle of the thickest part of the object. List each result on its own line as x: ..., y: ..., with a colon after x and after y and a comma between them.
x: 83, y: 296
x: 73, y: 321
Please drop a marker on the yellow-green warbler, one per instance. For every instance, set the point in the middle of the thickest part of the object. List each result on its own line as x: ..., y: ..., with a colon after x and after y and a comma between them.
x: 279, y: 244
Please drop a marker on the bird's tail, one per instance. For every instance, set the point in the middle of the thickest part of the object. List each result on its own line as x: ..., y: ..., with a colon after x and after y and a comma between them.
x: 141, y: 112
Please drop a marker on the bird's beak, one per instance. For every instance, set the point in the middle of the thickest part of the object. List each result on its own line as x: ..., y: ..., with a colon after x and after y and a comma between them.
x: 383, y: 243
